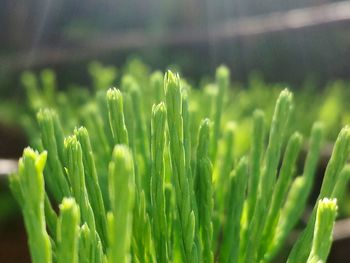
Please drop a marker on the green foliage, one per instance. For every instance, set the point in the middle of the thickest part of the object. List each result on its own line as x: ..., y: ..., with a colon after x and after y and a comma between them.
x: 185, y: 213
x: 322, y: 240
x: 160, y: 228
x: 204, y: 192
x: 28, y: 188
x: 169, y: 183
x: 68, y: 232
x: 122, y: 194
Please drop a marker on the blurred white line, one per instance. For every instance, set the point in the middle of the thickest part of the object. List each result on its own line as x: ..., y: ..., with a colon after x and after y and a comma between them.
x: 7, y: 166
x: 279, y: 21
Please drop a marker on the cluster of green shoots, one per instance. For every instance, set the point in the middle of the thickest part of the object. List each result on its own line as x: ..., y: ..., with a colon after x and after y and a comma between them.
x: 163, y: 184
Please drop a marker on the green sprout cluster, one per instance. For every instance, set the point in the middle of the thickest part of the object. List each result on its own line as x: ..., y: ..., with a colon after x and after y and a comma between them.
x: 165, y: 184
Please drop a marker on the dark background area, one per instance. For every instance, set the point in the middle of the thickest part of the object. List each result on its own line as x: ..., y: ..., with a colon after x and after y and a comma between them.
x: 193, y: 34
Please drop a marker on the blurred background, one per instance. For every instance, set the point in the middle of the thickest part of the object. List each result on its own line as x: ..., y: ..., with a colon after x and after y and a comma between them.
x: 302, y: 44
x: 285, y: 40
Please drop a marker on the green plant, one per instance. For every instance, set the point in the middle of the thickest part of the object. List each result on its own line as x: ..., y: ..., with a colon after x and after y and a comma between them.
x: 174, y: 192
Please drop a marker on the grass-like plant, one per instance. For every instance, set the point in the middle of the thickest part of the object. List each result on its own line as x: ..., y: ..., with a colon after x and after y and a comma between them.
x: 163, y: 184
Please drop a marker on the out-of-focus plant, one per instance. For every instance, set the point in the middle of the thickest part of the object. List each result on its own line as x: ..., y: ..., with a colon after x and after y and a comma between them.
x: 328, y: 105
